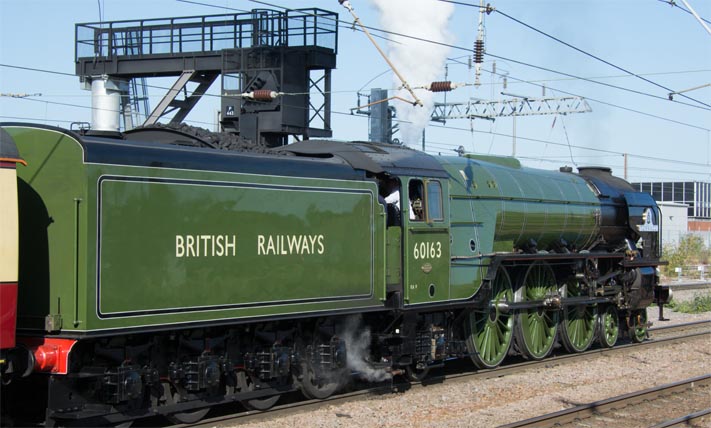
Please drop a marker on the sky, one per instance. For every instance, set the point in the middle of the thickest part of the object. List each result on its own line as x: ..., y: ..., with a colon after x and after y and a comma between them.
x: 623, y: 57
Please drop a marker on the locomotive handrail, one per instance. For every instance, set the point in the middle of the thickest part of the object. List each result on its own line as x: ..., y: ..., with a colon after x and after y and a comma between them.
x: 429, y: 230
x: 578, y: 255
x: 644, y: 263
x: 522, y: 199
x: 466, y: 257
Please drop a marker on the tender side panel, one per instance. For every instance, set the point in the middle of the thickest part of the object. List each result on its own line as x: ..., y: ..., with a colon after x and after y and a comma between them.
x: 171, y: 246
x: 51, y: 203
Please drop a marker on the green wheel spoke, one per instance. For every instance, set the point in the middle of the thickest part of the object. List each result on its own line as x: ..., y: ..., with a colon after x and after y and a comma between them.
x: 537, y: 328
x: 489, y: 331
x: 609, y: 327
x: 578, y: 327
x: 491, y: 346
x: 639, y: 326
x: 502, y: 331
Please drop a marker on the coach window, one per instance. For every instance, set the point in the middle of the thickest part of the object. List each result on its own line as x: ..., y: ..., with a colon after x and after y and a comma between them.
x: 434, y: 201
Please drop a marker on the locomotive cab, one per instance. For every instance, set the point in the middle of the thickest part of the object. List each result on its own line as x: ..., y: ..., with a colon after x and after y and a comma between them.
x: 417, y: 232
x: 426, y: 241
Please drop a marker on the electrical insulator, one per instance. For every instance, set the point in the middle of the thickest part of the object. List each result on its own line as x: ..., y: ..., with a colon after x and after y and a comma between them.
x: 445, y: 86
x: 478, y: 51
x: 440, y: 86
x: 261, y: 95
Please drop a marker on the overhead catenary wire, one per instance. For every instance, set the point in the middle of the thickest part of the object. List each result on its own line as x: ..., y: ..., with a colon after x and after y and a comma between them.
x: 468, y: 130
x: 675, y: 4
x: 598, y: 58
x: 225, y: 7
x: 452, y: 147
x: 583, y: 51
x: 612, y: 105
x: 350, y: 91
x: 37, y: 119
x: 216, y: 6
x: 592, y: 149
x: 85, y: 107
x: 610, y: 76
x: 403, y: 35
x: 698, y: 18
x: 588, y: 79
x: 411, y: 37
x: 707, y: 107
x: 447, y: 127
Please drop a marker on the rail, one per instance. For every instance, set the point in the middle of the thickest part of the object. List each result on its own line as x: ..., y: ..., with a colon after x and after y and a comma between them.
x: 591, y: 409
x: 363, y: 392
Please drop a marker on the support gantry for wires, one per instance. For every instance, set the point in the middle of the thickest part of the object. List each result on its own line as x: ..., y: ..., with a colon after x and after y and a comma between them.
x: 381, y: 115
x: 518, y: 106
x: 261, y: 56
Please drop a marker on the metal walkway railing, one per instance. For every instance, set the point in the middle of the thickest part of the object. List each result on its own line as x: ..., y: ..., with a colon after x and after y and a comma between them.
x: 195, y: 34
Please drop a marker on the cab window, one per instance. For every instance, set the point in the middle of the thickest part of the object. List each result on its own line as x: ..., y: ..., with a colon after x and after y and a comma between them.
x: 416, y: 193
x: 434, y: 201
x: 425, y: 200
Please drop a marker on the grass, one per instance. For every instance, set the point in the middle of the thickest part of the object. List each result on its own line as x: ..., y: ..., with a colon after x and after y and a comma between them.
x: 696, y: 306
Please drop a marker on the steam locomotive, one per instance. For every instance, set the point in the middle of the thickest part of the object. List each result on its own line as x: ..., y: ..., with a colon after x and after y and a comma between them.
x: 147, y: 274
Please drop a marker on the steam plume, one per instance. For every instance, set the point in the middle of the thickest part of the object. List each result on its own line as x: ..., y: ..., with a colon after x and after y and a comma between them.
x: 357, y: 340
x: 419, y: 62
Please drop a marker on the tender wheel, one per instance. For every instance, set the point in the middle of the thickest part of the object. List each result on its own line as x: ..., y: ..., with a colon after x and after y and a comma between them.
x: 415, y: 374
x: 577, y: 331
x: 324, y: 365
x: 489, y: 331
x: 245, y: 384
x: 638, y: 326
x: 317, y: 384
x: 536, y: 328
x: 608, y: 327
x: 173, y: 397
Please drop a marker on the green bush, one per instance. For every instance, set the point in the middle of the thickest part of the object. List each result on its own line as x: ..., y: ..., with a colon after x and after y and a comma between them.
x: 690, y: 251
x: 696, y: 306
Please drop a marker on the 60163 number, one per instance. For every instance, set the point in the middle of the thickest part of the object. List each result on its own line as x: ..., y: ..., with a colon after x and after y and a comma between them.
x: 427, y: 250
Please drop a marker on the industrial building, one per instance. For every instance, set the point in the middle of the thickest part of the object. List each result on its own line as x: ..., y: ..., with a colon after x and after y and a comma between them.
x: 671, y: 197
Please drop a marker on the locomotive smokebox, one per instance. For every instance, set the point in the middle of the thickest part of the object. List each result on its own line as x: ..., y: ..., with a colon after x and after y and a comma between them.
x: 625, y: 215
x: 610, y: 191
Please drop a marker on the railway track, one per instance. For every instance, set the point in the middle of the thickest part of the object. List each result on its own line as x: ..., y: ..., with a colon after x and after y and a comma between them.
x: 662, y: 336
x: 649, y: 407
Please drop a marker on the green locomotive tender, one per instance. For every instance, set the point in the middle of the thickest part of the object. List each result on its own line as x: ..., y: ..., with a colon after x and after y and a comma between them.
x: 163, y: 278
